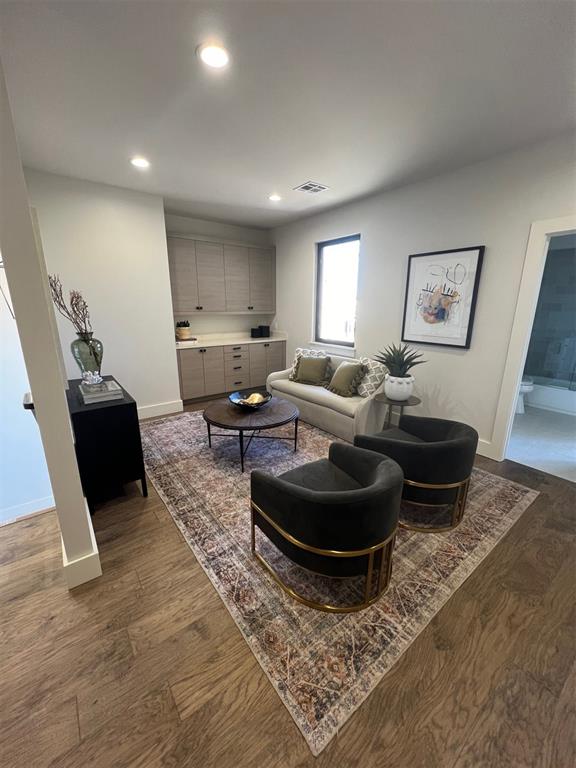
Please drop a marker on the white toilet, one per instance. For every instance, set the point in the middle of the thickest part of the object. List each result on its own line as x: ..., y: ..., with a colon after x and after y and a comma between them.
x: 526, y: 385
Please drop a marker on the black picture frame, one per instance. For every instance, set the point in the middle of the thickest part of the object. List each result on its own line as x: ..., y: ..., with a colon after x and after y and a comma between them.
x: 407, y: 336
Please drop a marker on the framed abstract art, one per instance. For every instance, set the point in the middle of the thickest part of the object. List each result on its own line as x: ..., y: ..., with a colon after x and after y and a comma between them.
x: 441, y: 293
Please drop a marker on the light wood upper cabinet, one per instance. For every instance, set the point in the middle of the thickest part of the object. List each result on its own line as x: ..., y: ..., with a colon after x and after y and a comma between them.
x: 213, y: 277
x: 210, y: 272
x: 237, y: 274
x: 262, y: 280
x: 183, y: 279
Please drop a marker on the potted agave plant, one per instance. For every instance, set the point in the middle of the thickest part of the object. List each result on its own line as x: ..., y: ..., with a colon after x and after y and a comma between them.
x: 398, y: 383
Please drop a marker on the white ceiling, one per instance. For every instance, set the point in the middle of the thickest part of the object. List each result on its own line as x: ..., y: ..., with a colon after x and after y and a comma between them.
x: 357, y: 95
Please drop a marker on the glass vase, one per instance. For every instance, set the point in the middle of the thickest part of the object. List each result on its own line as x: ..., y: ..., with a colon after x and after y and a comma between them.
x: 87, y: 352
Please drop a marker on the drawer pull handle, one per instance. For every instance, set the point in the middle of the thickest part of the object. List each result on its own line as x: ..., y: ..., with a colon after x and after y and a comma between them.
x: 236, y: 357
x: 199, y: 307
x: 266, y: 345
x: 236, y: 383
x: 237, y: 368
x: 250, y: 307
x: 235, y: 348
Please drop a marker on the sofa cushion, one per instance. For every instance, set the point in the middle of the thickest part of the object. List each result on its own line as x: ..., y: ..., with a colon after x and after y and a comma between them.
x: 302, y: 352
x: 319, y: 396
x: 312, y: 370
x: 321, y: 475
x: 346, y: 378
x: 373, y: 377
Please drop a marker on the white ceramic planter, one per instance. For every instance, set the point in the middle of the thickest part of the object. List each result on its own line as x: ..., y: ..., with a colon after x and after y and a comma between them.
x: 397, y: 388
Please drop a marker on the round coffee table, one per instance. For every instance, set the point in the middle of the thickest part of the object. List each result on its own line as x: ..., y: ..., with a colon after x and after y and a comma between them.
x: 276, y: 413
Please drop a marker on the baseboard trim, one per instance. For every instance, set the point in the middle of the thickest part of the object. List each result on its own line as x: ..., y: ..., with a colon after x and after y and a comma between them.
x: 160, y: 409
x: 488, y: 449
x: 540, y: 407
x: 18, y: 511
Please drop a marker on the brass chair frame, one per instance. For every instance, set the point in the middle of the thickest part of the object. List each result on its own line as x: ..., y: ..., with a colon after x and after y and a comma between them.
x: 385, y: 547
x: 458, y: 506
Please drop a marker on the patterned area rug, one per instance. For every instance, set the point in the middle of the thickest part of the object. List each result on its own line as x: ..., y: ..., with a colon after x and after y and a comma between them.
x: 322, y: 665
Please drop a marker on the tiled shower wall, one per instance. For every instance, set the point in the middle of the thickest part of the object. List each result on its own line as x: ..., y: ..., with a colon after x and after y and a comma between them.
x: 552, y: 350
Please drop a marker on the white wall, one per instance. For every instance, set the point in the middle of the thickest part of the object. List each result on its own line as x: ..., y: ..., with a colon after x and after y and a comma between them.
x: 110, y: 244
x: 24, y: 482
x: 491, y: 203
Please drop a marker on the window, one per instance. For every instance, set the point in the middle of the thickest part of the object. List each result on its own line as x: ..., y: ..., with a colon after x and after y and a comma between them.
x: 336, y: 286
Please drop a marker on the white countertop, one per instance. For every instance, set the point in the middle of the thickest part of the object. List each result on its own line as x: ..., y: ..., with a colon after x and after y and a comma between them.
x: 223, y: 339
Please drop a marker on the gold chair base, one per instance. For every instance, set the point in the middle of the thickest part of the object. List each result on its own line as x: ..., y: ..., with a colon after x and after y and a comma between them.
x: 385, y: 548
x: 457, y: 507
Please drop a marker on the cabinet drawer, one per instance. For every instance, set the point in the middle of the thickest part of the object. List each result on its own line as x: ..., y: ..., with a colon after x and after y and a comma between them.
x: 237, y: 382
x: 236, y: 367
x: 233, y: 357
x: 235, y: 349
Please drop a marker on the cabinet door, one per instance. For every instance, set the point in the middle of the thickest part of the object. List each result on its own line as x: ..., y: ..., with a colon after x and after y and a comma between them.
x: 210, y: 271
x: 275, y: 356
x: 183, y: 281
x: 214, y: 378
x: 257, y: 365
x: 262, y: 280
x: 191, y: 366
x: 237, y: 275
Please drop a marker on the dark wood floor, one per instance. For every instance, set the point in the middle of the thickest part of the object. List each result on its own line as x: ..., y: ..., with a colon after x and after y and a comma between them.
x: 145, y: 667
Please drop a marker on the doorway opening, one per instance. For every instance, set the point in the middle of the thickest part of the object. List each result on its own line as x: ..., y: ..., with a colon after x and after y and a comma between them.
x: 543, y: 431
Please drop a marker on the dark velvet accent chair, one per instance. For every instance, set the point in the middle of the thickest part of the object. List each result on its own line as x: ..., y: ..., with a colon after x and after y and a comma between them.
x: 436, y: 456
x: 336, y: 516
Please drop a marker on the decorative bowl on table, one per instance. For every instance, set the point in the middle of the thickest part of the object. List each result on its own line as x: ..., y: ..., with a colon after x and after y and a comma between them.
x: 249, y: 400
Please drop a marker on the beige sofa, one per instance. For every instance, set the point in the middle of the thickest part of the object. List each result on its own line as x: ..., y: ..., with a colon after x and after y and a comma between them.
x: 341, y: 416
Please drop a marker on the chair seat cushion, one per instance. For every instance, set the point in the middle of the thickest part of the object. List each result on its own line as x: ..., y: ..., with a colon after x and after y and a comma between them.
x: 319, y: 396
x: 321, y: 475
x: 394, y: 433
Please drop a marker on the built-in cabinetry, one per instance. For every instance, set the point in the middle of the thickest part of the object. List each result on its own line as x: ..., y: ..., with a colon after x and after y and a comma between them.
x: 213, y: 370
x: 216, y: 277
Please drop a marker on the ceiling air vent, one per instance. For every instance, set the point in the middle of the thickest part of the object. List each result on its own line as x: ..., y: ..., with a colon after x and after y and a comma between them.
x: 312, y: 187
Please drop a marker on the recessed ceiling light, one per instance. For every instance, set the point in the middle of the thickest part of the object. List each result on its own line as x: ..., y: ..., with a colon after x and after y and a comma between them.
x: 214, y: 55
x: 140, y: 162
x: 275, y: 198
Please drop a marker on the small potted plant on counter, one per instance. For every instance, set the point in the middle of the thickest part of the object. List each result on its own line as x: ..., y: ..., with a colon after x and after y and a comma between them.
x: 398, y: 383
x: 183, y: 332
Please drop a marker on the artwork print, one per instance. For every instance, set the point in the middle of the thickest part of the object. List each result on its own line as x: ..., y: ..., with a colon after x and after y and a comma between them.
x: 441, y: 293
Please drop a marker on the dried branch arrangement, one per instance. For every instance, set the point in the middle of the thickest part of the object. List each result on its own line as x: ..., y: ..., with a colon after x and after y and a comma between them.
x: 77, y: 311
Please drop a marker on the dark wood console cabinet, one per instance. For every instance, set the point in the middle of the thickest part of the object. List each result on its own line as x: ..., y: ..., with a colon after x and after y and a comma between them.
x: 108, y: 444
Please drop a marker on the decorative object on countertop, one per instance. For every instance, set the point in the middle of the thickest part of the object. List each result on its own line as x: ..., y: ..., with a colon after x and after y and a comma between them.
x: 91, y: 381
x: 249, y: 400
x: 86, y: 350
x: 441, y: 293
x: 183, y: 332
x: 101, y: 392
x: 398, y: 384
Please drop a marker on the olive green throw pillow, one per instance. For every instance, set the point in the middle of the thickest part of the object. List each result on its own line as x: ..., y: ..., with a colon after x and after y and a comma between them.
x: 346, y: 379
x: 312, y: 370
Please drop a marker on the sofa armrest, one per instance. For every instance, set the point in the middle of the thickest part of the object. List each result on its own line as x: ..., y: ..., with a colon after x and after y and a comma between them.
x: 276, y: 376
x: 369, y: 415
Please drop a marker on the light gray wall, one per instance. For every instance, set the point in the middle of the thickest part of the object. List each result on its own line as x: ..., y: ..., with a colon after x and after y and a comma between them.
x: 491, y: 203
x: 24, y: 481
x: 110, y: 244
x: 218, y: 230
